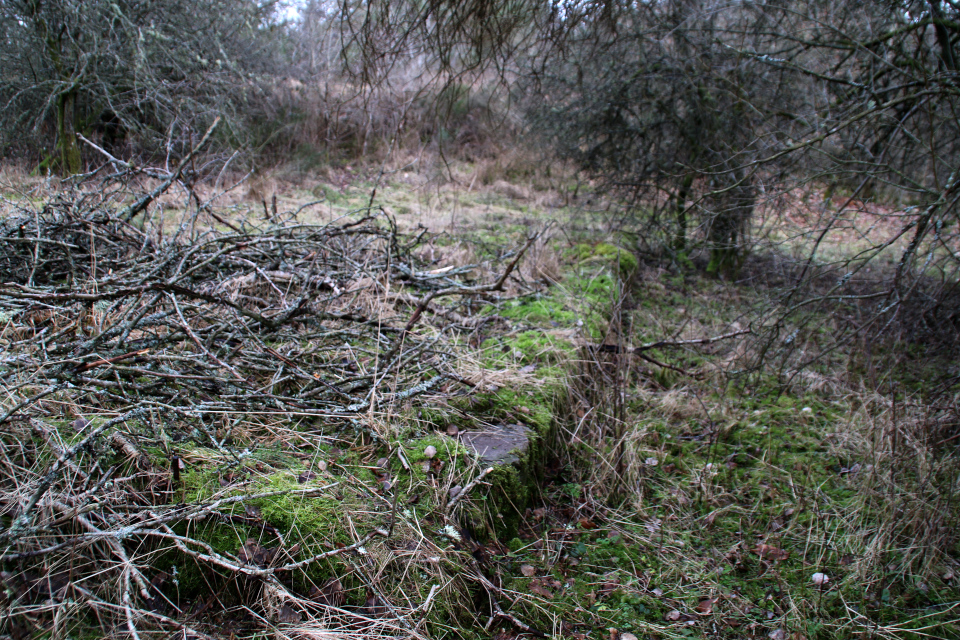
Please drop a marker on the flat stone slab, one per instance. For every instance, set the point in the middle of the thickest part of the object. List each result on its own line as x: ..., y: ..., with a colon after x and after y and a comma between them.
x: 499, y: 445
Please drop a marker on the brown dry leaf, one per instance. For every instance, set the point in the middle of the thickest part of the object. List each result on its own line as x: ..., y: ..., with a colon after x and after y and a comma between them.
x: 537, y: 588
x: 254, y: 553
x: 770, y: 552
x: 528, y: 570
x: 586, y: 523
x: 673, y: 615
x: 373, y: 606
x: 607, y: 588
x: 733, y: 623
x: 330, y: 594
x: 705, y: 607
x: 288, y: 615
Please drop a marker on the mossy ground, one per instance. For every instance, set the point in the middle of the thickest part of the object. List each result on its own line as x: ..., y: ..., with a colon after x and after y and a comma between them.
x: 707, y: 515
x: 732, y: 492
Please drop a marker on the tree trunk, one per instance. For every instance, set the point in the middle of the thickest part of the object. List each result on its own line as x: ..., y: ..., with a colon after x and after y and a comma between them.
x: 727, y: 231
x: 680, y: 241
x: 69, y: 151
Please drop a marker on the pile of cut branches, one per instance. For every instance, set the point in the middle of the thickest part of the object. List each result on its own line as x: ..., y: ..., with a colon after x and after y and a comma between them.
x: 122, y: 345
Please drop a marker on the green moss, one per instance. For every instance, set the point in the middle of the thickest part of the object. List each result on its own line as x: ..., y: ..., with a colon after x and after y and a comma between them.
x: 541, y: 310
x: 528, y: 347
x: 315, y: 520
x: 625, y: 261
x: 448, y: 449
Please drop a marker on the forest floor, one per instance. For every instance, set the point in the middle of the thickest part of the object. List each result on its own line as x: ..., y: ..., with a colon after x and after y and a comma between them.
x: 675, y: 485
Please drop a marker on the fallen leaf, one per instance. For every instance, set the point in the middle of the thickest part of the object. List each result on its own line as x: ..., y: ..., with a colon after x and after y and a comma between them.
x: 528, y: 570
x: 777, y: 634
x: 373, y: 606
x: 455, y: 491
x: 586, y: 523
x: 657, y: 592
x: 306, y: 476
x: 769, y: 552
x: 846, y: 559
x: 80, y: 424
x: 673, y: 615
x: 288, y: 615
x: 253, y: 553
x: 705, y: 607
x: 536, y: 587
x: 330, y: 594
x: 607, y: 588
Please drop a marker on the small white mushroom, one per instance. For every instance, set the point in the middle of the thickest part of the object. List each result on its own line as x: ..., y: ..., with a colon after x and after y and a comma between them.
x: 430, y: 451
x: 820, y: 579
